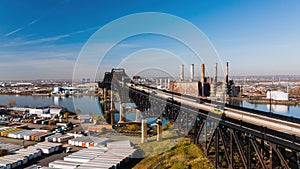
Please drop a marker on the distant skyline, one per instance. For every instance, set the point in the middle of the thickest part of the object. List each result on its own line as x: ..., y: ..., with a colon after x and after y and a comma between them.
x: 42, y: 39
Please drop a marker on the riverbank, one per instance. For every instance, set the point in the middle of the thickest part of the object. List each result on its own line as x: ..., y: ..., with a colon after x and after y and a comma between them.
x: 47, y: 94
x: 275, y: 102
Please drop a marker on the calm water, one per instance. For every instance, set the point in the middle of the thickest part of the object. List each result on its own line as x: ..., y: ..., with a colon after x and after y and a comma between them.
x: 86, y: 104
x: 89, y: 104
x: 278, y: 109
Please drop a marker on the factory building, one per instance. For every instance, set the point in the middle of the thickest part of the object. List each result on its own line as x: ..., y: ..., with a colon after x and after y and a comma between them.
x: 191, y: 87
x: 206, y: 87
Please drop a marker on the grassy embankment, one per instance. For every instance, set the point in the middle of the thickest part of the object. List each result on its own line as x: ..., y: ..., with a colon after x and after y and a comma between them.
x: 184, y: 154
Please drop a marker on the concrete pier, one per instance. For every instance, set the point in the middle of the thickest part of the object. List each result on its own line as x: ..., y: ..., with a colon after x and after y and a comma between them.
x: 144, y: 131
x: 122, y: 113
x: 137, y: 115
x: 112, y: 104
x: 104, y: 99
x: 159, y: 130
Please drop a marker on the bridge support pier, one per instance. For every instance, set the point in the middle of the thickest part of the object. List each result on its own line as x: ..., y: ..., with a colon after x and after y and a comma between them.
x: 122, y: 113
x: 217, y: 148
x: 112, y: 108
x: 271, y: 155
x: 248, y: 152
x: 144, y: 131
x: 298, y: 159
x: 159, y: 130
x: 104, y: 99
x: 112, y: 117
x: 112, y: 104
x: 205, y: 133
x: 231, y: 150
x: 137, y: 115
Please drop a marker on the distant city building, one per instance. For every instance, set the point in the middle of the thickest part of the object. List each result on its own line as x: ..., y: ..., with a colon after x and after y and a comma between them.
x: 19, y: 84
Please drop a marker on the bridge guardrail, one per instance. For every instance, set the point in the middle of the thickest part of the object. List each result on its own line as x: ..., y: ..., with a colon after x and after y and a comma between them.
x: 265, y: 131
x: 259, y: 131
x: 263, y: 113
x: 254, y: 111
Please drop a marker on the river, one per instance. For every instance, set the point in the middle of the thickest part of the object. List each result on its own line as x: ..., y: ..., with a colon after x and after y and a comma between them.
x: 89, y: 104
x: 86, y: 104
x: 285, y: 110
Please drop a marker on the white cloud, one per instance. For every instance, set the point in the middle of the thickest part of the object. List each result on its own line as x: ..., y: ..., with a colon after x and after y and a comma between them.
x: 49, y: 39
x: 21, y: 28
x: 14, y: 31
x: 34, y: 21
x: 22, y: 42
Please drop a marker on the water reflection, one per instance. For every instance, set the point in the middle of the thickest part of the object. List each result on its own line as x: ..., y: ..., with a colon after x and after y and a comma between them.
x: 90, y: 104
x: 278, y: 109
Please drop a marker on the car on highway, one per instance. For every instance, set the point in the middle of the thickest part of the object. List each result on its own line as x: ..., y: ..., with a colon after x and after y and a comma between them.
x: 200, y: 101
x: 170, y: 99
x: 153, y: 92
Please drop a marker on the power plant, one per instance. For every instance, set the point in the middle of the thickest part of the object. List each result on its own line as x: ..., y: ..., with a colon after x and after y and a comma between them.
x: 207, y: 86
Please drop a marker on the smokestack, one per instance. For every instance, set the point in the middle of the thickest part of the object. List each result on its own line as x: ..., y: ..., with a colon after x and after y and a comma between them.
x: 192, y: 72
x: 202, y: 73
x: 182, y: 72
x: 216, y: 73
x: 166, y: 83
x: 226, y: 80
x: 203, y: 78
x: 160, y: 82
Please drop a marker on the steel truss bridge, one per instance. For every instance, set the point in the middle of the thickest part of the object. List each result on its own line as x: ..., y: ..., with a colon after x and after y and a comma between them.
x: 230, y: 136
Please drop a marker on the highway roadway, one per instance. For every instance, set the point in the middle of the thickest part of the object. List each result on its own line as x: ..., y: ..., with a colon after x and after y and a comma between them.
x: 259, y: 120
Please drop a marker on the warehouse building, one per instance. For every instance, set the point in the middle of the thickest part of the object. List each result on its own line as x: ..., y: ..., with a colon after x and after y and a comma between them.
x: 278, y: 95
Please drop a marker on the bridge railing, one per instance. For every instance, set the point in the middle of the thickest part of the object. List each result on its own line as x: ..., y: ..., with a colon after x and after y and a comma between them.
x: 264, y: 132
x: 253, y: 111
x: 263, y: 113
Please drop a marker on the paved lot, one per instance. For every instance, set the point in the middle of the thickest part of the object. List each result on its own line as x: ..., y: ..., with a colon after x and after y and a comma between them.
x: 46, y: 159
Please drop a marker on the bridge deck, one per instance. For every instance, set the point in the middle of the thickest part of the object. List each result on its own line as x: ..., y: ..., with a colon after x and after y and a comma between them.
x: 259, y: 120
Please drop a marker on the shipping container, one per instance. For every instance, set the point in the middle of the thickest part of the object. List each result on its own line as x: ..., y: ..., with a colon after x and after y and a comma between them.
x: 64, y: 164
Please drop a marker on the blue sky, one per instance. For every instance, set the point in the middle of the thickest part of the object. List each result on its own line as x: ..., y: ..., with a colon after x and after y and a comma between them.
x: 42, y: 39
